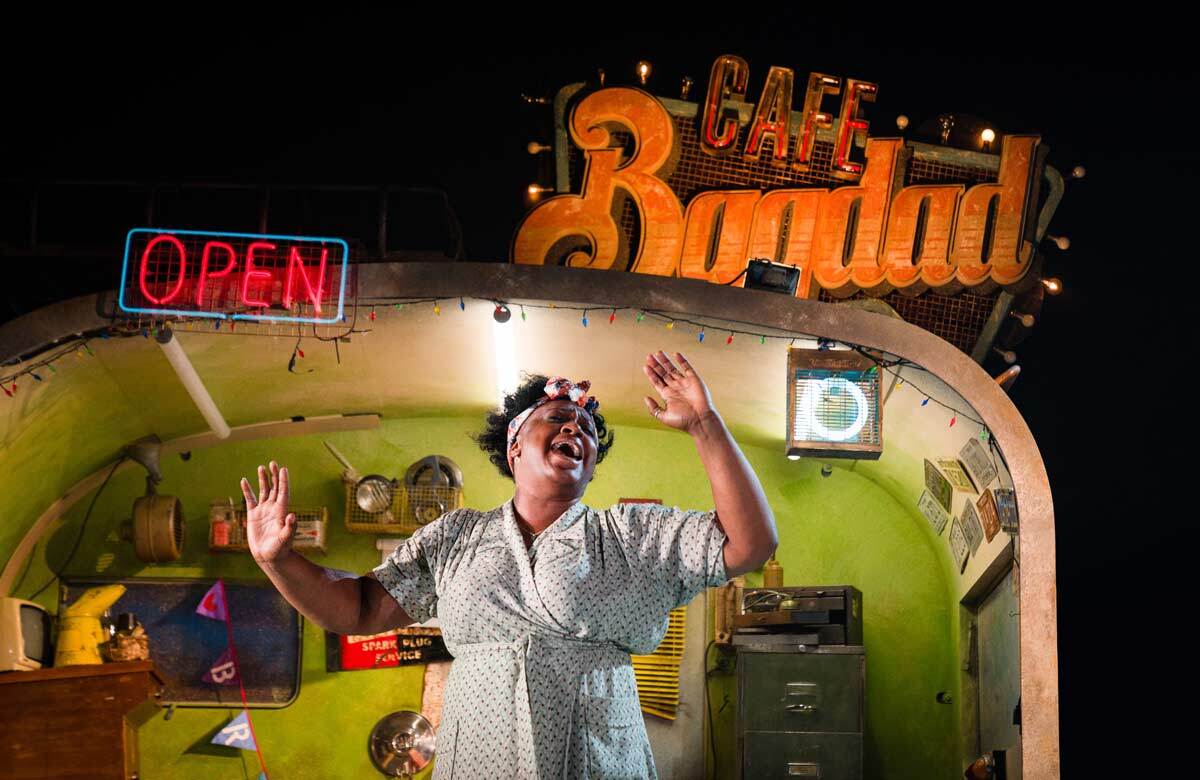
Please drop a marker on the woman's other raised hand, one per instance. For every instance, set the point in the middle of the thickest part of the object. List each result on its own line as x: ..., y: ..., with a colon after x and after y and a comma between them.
x: 686, y: 396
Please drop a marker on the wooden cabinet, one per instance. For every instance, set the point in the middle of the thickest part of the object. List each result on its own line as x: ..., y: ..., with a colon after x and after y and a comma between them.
x: 75, y: 722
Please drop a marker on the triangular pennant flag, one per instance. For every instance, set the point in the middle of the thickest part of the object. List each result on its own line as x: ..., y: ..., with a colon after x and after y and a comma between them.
x: 213, y: 603
x: 223, y: 671
x: 237, y: 734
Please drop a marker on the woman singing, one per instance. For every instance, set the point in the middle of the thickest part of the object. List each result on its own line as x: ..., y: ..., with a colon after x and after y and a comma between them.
x: 542, y: 600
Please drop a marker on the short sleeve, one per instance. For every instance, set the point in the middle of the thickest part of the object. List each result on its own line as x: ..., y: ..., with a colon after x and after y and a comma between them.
x: 408, y: 573
x: 684, y: 548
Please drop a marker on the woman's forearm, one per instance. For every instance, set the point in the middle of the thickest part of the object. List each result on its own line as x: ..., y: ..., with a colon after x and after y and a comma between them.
x: 738, y: 496
x: 328, y: 597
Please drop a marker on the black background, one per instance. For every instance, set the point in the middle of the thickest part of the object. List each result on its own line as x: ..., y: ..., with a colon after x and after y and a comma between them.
x: 302, y: 97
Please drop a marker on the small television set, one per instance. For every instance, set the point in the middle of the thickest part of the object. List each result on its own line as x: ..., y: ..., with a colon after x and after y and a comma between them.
x: 24, y: 636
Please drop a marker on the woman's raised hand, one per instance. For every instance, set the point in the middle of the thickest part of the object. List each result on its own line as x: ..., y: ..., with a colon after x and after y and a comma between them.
x: 686, y: 396
x: 269, y: 526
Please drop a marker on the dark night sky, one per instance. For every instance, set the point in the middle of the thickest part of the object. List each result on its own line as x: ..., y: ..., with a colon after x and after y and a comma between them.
x: 347, y: 100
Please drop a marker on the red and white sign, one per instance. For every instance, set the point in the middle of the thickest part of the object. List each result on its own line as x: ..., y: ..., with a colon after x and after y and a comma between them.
x: 399, y: 647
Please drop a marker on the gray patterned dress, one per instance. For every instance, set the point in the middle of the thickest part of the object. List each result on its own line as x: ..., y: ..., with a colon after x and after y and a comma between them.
x: 542, y: 685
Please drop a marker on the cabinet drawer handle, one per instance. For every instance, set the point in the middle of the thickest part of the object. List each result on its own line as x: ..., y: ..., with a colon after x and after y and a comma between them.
x: 807, y: 769
x: 800, y: 707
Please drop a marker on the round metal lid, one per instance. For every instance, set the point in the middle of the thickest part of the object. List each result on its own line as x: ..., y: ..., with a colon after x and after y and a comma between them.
x: 402, y: 743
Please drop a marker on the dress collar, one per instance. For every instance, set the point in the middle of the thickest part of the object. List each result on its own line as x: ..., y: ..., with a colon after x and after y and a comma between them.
x: 562, y: 523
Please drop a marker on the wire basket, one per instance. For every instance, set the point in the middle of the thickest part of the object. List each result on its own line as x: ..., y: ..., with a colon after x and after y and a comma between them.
x: 227, y: 528
x: 412, y: 507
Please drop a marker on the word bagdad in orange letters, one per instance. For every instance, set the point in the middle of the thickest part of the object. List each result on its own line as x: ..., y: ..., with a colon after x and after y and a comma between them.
x: 873, y: 236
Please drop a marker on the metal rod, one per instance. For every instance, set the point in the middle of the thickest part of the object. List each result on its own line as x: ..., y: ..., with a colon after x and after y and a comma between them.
x: 191, y: 382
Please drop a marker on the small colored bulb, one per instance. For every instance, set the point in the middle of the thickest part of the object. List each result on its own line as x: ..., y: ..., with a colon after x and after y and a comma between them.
x: 701, y: 337
x: 671, y: 325
x: 729, y: 340
x: 925, y: 402
x: 461, y: 305
x: 641, y: 316
x: 437, y: 309
x: 612, y: 317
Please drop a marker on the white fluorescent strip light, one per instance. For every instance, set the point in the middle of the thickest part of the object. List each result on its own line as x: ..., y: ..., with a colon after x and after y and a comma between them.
x: 506, y: 359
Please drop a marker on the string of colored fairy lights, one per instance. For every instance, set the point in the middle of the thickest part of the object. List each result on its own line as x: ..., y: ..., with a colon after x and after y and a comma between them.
x: 9, y: 382
x: 670, y: 321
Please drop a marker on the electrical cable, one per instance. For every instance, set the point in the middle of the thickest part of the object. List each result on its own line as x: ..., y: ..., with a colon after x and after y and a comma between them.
x: 739, y: 276
x: 83, y: 526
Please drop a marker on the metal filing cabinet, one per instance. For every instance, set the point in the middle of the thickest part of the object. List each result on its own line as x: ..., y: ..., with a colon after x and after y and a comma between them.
x: 800, y: 709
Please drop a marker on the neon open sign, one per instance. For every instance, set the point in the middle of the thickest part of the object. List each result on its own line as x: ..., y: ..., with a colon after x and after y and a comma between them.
x: 239, y: 276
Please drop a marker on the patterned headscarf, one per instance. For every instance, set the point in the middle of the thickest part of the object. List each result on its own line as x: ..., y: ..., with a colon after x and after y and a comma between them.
x: 558, y: 387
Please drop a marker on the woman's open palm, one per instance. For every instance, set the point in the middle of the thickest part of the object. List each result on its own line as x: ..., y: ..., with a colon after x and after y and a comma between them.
x: 269, y: 525
x: 686, y: 396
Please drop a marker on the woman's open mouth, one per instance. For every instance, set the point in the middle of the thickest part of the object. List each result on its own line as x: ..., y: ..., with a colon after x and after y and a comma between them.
x: 569, y: 450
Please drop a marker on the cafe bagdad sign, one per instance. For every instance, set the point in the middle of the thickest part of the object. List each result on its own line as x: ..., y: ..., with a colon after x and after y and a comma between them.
x: 872, y: 234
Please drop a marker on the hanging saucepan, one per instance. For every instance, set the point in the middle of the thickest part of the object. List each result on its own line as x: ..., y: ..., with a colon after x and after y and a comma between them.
x: 374, y: 492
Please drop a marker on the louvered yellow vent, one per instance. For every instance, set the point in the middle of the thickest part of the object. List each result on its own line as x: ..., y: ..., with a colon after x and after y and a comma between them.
x: 658, y: 673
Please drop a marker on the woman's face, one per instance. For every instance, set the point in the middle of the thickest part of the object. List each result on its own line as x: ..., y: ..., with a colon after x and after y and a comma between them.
x: 556, y: 446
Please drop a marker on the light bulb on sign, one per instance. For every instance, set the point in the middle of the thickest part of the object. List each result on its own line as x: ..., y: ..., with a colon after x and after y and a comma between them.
x: 1053, y: 286
x: 643, y: 71
x: 821, y: 388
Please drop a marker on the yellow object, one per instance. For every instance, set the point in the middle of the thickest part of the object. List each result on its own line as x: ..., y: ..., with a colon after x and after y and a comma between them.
x: 79, y: 631
x: 772, y: 574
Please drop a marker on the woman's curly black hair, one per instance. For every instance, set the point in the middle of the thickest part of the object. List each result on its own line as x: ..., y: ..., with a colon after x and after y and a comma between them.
x: 494, y: 438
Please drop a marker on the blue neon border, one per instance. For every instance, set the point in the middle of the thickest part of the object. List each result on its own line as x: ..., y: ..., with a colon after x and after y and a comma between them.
x: 341, y: 308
